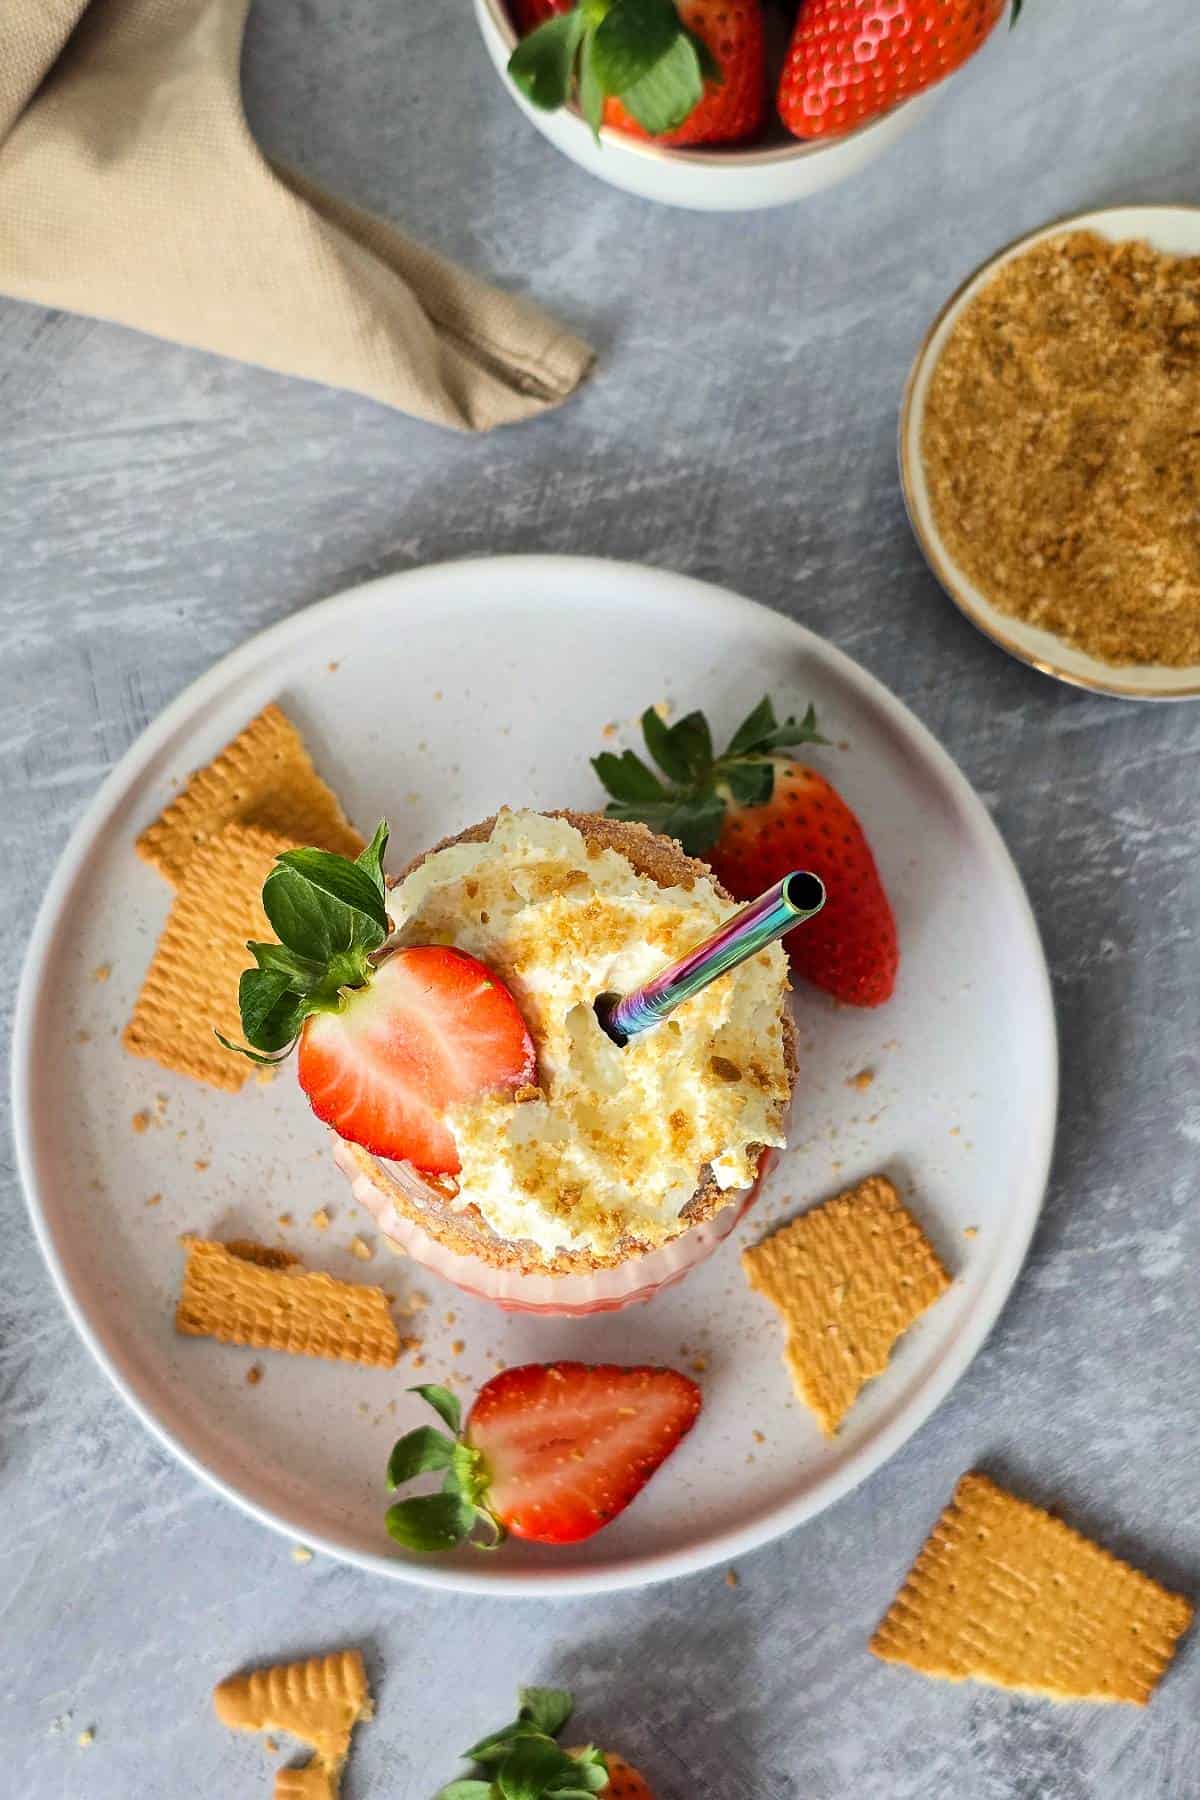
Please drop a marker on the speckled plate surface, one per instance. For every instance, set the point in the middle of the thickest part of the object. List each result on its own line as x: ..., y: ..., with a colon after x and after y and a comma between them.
x: 434, y: 697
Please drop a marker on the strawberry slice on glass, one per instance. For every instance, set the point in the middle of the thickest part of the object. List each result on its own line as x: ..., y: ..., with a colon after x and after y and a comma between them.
x: 388, y: 1041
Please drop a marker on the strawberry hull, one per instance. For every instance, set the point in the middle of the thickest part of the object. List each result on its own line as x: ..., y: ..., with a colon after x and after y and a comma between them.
x: 564, y: 1296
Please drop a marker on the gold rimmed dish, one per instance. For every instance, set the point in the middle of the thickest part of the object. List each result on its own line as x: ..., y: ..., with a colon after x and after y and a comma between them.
x: 1175, y: 230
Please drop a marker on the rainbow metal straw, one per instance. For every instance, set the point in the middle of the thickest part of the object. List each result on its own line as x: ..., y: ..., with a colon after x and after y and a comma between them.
x: 796, y: 898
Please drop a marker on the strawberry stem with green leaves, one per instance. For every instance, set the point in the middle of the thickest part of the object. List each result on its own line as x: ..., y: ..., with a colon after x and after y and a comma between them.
x: 330, y: 916
x: 690, y: 803
x: 433, y: 1522
x: 636, y: 51
x: 522, y: 1761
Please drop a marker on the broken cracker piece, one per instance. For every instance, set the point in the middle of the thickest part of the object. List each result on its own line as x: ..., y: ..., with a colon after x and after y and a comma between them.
x: 319, y: 1701
x: 191, y: 987
x: 263, y: 778
x: 315, y: 1781
x: 1007, y: 1594
x: 238, y: 1300
x: 848, y: 1278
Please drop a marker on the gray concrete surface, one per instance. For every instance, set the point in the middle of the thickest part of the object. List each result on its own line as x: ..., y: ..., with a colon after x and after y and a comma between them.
x: 157, y: 507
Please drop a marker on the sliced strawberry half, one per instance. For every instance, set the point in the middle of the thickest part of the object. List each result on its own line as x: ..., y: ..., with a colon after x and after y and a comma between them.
x: 552, y: 1452
x: 433, y: 1027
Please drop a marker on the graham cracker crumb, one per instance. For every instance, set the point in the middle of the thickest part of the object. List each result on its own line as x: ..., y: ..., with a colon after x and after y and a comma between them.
x: 320, y: 1219
x: 1061, y: 451
x: 83, y: 1037
x: 862, y: 1080
x: 263, y: 1076
x: 301, y: 1553
x: 154, y: 1200
x: 102, y: 971
x: 285, y: 1219
x: 200, y: 1165
x: 971, y: 1231
x: 359, y: 1247
x: 731, y: 1578
x: 85, y: 1738
x: 254, y: 1375
x: 699, y: 1365
x: 457, y: 1347
x: 141, y: 1121
x: 271, y: 1746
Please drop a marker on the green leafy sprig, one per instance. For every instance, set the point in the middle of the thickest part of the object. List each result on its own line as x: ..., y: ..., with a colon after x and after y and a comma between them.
x: 459, y: 1513
x: 688, y: 800
x: 330, y: 916
x: 523, y: 1762
x: 637, y: 51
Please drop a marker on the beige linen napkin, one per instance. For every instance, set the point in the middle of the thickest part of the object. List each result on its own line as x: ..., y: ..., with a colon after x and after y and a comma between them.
x: 131, y: 189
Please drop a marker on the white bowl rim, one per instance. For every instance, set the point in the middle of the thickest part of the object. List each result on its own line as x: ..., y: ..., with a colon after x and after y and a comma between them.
x: 924, y: 529
x: 736, y: 157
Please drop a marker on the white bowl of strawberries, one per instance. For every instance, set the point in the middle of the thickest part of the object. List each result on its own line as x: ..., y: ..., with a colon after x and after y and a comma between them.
x: 729, y: 105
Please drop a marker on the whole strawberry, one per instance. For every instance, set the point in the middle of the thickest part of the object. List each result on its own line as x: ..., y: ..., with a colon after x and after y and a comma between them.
x: 680, y: 71
x: 523, y: 1761
x: 850, y: 60
x: 732, y: 107
x: 754, y: 814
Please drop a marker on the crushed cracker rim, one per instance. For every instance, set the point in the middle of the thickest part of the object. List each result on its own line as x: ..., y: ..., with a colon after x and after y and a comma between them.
x: 1012, y: 636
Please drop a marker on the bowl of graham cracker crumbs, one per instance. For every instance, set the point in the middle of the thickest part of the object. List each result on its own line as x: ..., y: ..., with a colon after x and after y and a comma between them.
x: 1050, y: 450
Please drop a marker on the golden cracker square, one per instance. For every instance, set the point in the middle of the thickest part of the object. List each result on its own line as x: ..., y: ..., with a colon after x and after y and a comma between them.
x: 227, y: 1296
x: 319, y: 1701
x: 1007, y: 1594
x: 191, y: 987
x: 263, y: 778
x: 848, y: 1279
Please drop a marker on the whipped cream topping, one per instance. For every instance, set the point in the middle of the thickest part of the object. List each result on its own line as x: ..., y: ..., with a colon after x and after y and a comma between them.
x: 612, y: 1141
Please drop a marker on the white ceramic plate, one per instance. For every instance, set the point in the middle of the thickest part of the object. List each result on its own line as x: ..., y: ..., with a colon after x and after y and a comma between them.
x: 434, y: 697
x: 1172, y: 229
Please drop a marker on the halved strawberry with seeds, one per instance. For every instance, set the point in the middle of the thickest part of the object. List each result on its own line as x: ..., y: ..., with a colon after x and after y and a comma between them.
x: 389, y: 1041
x: 433, y: 1027
x: 551, y: 1452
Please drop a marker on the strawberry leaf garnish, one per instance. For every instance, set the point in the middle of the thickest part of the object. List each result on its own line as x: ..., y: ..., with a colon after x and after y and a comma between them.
x: 522, y: 1761
x: 542, y: 65
x: 418, y: 1452
x: 431, y: 1522
x: 691, y: 802
x: 444, y: 1403
x: 546, y: 1709
x: 458, y: 1514
x: 329, y: 915
x: 636, y: 51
